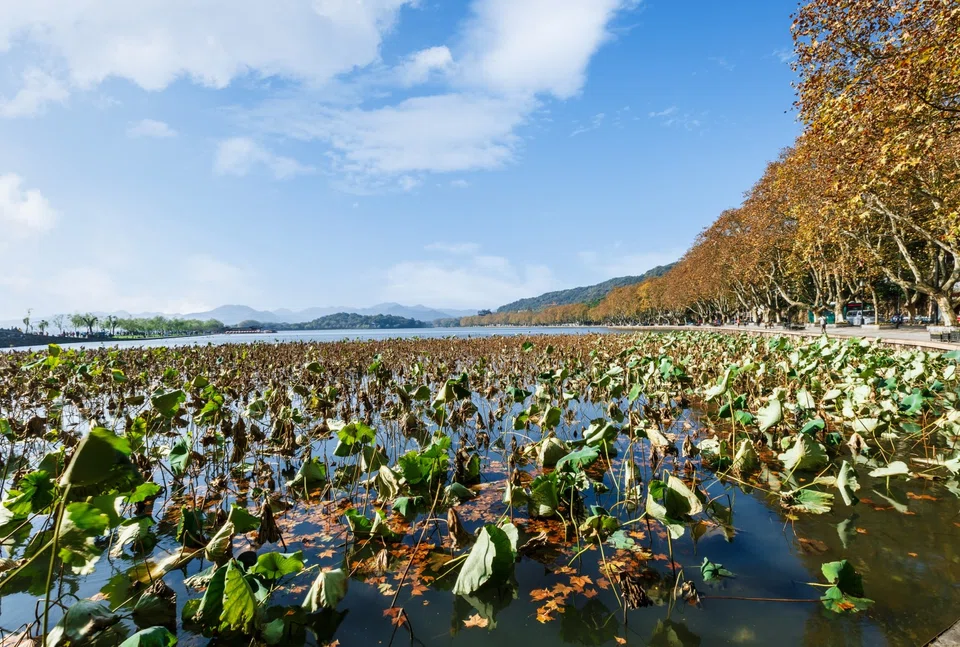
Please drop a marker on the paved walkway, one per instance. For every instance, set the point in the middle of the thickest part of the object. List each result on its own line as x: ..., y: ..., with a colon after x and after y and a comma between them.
x: 949, y: 638
x: 909, y: 336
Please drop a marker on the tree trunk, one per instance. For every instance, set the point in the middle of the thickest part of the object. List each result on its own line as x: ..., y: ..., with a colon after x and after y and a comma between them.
x: 946, y: 311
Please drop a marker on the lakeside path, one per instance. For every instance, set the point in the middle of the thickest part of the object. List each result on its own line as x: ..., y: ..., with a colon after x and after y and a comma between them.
x: 912, y: 337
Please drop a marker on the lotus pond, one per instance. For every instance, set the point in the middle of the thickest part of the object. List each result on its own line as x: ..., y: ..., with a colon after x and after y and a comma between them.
x: 666, y: 489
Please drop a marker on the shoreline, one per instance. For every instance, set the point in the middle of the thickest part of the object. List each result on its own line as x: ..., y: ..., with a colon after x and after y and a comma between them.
x: 21, y: 340
x: 902, y: 337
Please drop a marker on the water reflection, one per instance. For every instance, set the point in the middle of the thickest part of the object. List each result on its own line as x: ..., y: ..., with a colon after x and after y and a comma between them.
x: 591, y: 624
x: 486, y: 603
x: 669, y: 633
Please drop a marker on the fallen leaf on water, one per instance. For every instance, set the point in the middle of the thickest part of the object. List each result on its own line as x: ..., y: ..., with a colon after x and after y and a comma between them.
x: 579, y: 582
x: 921, y: 497
x: 540, y: 594
x: 912, y: 554
x: 475, y: 621
x: 396, y: 615
x: 620, y: 641
x: 813, y: 546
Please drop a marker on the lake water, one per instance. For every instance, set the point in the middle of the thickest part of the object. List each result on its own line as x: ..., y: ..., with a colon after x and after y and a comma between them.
x: 327, y: 336
x: 902, y: 537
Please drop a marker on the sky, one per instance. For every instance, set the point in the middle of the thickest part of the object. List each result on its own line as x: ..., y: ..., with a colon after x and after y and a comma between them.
x: 173, y: 155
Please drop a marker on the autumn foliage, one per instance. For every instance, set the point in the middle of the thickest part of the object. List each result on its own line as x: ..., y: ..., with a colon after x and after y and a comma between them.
x: 864, y: 206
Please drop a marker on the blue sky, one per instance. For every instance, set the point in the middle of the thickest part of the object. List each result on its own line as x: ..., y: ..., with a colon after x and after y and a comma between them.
x: 171, y: 155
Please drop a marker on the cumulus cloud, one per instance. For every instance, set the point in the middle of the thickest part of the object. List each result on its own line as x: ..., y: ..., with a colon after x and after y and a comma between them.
x: 511, y: 58
x: 241, y: 155
x: 23, y: 211
x: 465, y: 279
x: 438, y: 133
x: 154, y: 42
x: 505, y: 61
x: 536, y: 46
x: 38, y: 89
x: 420, y: 66
x: 150, y: 128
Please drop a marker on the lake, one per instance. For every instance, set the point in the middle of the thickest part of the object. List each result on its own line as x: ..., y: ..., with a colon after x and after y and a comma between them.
x: 327, y: 336
x: 903, y: 536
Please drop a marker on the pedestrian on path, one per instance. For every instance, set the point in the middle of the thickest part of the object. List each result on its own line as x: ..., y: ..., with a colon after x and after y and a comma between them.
x: 823, y: 325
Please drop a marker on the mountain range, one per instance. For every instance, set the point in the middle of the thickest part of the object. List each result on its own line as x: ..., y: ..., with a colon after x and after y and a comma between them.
x: 234, y: 314
x: 587, y: 294
x: 231, y: 315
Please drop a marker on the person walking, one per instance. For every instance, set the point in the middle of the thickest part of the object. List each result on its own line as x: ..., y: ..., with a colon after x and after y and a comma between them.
x: 823, y: 325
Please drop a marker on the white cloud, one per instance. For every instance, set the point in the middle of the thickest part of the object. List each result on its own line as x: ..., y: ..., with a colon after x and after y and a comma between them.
x: 408, y: 183
x: 420, y: 66
x: 535, y: 46
x: 23, y: 211
x: 459, y: 184
x: 439, y: 133
x: 670, y: 117
x: 508, y: 58
x: 618, y: 261
x: 785, y: 54
x: 150, y: 128
x: 240, y: 155
x: 39, y: 89
x: 511, y: 57
x: 663, y: 113
x: 206, y: 269
x: 465, y: 281
x: 196, y: 282
x: 595, y: 123
x: 154, y: 42
x: 470, y: 249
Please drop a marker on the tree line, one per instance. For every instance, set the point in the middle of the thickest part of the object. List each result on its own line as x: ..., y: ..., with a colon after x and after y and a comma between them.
x: 340, y: 321
x: 92, y: 325
x: 864, y: 206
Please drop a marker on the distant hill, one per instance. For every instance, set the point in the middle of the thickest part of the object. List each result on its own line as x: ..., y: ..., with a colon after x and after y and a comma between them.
x: 586, y: 294
x: 421, y: 312
x: 341, y: 321
x: 232, y: 315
